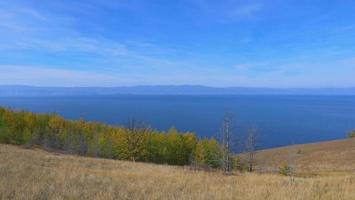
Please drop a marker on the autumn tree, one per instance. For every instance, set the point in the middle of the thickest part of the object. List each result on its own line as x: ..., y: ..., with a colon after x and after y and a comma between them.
x: 136, y: 139
x: 55, y: 125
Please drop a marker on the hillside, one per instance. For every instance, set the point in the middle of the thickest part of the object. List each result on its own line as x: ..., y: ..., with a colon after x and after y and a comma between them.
x: 36, y: 174
x: 324, y: 157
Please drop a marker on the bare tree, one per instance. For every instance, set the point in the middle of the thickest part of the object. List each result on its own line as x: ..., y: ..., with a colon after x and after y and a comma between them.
x: 226, y: 137
x: 250, y: 147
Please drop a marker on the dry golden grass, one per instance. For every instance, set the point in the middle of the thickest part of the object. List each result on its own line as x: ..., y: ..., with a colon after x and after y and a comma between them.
x: 35, y: 174
x: 331, y: 157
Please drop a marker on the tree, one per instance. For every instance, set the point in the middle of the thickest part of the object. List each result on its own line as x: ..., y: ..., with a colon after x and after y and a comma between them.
x: 12, y: 122
x: 30, y: 135
x: 156, y: 147
x: 250, y: 147
x: 106, y: 144
x: 208, y: 153
x: 93, y: 146
x: 189, y: 146
x: 136, y: 139
x: 69, y: 141
x: 55, y: 125
x: 5, y: 134
x: 226, y: 141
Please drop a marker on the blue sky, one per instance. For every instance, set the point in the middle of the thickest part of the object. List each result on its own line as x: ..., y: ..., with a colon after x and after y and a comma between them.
x: 265, y: 43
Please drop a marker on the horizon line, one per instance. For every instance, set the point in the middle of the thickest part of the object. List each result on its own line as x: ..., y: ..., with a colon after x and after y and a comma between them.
x: 177, y: 85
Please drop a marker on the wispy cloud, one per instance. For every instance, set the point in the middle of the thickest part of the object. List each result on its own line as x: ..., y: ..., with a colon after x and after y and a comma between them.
x: 300, y: 73
x: 245, y: 11
x: 282, y: 74
x: 32, y: 75
x: 77, y: 44
x: 49, y: 76
x: 102, y: 42
x: 56, y: 34
x: 230, y: 11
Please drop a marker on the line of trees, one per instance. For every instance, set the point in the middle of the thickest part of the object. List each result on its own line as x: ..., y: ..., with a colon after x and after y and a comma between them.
x: 135, y: 142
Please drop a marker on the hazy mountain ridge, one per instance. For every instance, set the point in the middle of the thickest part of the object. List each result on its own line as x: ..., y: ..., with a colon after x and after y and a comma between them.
x: 16, y: 90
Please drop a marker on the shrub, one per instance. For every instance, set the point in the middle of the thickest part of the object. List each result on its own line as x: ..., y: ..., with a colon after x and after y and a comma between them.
x: 299, y: 151
x: 240, y: 164
x: 285, y: 170
x: 351, y: 134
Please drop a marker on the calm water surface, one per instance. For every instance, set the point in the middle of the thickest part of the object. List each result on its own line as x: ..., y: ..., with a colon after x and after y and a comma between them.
x: 280, y: 120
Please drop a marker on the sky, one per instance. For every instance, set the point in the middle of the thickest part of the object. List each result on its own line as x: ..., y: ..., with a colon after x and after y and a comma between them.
x: 261, y: 43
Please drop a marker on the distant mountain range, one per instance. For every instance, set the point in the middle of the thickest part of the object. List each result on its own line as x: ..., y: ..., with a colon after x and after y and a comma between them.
x: 15, y: 90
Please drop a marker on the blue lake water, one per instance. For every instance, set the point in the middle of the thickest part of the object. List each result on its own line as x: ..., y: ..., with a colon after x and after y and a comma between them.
x: 280, y: 120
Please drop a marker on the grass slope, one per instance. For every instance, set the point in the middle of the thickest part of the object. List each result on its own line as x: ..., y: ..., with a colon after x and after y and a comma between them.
x: 329, y: 157
x: 36, y: 174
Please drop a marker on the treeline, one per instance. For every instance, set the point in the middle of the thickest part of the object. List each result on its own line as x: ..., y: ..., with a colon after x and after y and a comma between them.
x: 135, y: 141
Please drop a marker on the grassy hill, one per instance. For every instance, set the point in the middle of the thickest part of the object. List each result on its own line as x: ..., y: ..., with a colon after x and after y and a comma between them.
x: 311, y: 159
x: 36, y: 174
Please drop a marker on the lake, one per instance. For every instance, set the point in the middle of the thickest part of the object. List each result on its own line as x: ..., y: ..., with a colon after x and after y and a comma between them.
x: 280, y: 120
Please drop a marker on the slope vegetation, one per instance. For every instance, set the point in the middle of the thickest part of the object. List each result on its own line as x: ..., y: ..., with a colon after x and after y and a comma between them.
x: 317, y: 158
x: 36, y: 174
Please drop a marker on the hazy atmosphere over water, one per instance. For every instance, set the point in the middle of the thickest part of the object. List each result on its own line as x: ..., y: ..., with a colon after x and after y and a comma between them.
x: 261, y: 43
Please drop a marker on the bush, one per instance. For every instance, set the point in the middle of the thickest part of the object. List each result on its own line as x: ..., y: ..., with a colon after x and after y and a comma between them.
x: 285, y: 170
x: 299, y: 151
x: 239, y: 164
x: 351, y: 134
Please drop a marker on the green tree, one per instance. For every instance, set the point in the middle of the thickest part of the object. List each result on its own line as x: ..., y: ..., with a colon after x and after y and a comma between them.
x: 5, y: 134
x: 208, y: 153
